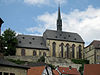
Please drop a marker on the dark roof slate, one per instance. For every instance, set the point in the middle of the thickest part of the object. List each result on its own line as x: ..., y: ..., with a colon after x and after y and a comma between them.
x: 4, y: 62
x: 28, y: 41
x: 64, y: 36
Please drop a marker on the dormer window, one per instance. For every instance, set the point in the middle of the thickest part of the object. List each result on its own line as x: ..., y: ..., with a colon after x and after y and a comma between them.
x: 23, y: 37
x: 30, y: 42
x: 74, y: 38
x: 19, y: 41
x: 33, y: 38
x: 56, y: 36
x: 68, y: 35
x: 41, y: 43
x: 64, y: 37
x: 60, y: 34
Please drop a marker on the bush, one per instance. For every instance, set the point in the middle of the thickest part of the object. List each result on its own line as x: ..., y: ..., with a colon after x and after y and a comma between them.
x: 80, y: 61
x: 42, y: 59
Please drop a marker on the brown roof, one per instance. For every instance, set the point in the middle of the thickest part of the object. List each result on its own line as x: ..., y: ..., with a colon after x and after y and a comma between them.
x: 66, y: 70
x: 55, y: 72
x: 92, y: 69
x: 36, y: 70
x: 95, y: 43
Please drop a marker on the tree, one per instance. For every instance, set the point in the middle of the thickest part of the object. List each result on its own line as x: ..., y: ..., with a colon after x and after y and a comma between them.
x: 42, y: 59
x: 9, y: 42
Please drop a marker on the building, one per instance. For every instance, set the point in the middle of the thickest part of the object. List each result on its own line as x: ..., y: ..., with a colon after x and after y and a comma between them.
x: 9, y: 68
x: 92, y: 69
x: 40, y: 69
x: 53, y: 43
x: 66, y: 71
x: 92, y: 52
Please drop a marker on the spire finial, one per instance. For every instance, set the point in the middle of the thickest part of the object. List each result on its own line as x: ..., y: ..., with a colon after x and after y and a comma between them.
x: 59, y: 20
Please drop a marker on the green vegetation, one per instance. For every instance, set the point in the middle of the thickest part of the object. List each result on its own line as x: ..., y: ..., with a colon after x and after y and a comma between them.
x: 16, y: 61
x: 9, y: 42
x: 52, y: 66
x: 80, y: 61
x: 42, y: 59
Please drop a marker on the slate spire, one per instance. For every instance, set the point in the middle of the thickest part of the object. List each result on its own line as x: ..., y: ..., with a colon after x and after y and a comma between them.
x: 59, y: 20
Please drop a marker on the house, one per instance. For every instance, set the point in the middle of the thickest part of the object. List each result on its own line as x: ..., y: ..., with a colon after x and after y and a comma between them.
x: 92, y: 52
x: 53, y: 43
x: 9, y: 68
x: 92, y: 69
x: 41, y: 69
x: 66, y: 71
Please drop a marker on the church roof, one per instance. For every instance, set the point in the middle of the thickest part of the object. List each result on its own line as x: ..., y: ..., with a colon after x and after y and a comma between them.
x: 34, y: 42
x: 63, y: 36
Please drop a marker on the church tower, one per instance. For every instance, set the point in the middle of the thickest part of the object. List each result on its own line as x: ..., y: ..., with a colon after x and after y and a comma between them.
x: 59, y: 20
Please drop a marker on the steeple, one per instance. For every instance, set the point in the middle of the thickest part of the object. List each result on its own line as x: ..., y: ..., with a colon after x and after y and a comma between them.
x: 59, y: 20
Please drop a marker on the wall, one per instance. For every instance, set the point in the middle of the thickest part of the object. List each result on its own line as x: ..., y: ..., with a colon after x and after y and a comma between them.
x: 16, y: 71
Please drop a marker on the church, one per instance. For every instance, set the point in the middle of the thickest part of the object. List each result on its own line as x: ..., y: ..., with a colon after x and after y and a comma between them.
x: 53, y: 43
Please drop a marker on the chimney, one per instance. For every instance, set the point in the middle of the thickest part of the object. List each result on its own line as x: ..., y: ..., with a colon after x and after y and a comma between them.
x: 70, y: 67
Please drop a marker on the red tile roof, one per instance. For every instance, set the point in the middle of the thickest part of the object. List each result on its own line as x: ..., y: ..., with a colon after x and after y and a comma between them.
x: 66, y: 70
x: 92, y: 69
x: 55, y: 72
x: 36, y: 70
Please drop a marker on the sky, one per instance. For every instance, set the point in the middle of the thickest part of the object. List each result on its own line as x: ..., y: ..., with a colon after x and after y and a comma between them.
x: 33, y: 17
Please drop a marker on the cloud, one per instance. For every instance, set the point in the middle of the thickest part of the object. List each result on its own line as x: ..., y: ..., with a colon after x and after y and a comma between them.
x: 60, y: 1
x: 85, y: 23
x: 34, y: 2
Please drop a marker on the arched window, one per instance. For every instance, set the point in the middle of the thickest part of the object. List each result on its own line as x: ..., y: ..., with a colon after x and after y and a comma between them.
x: 73, y: 51
x: 44, y: 54
x: 34, y: 53
x: 80, y: 55
x: 67, y: 50
x: 62, y: 49
x: 23, y: 52
x: 54, y: 49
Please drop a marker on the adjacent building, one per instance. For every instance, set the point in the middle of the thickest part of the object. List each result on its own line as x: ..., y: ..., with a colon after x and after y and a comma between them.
x: 53, y: 43
x: 92, y: 52
x: 9, y: 68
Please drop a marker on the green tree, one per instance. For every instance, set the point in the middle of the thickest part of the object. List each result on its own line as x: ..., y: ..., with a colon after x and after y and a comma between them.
x: 42, y: 59
x: 9, y: 42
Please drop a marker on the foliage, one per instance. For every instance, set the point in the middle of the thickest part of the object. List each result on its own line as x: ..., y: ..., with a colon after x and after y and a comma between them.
x: 9, y: 42
x: 42, y: 59
x: 52, y: 66
x: 1, y: 44
x: 16, y: 61
x: 80, y: 61
x: 81, y: 69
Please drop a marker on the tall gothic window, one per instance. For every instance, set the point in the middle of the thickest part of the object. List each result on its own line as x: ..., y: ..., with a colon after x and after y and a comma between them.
x: 23, y: 52
x: 73, y: 51
x: 54, y: 49
x: 80, y: 55
x: 67, y: 50
x: 62, y: 49
x: 44, y: 54
x: 34, y: 53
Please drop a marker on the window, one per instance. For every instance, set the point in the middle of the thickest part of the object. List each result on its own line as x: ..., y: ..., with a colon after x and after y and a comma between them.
x: 41, y: 43
x: 23, y: 37
x: 68, y: 35
x: 67, y: 50
x: 30, y: 42
x: 19, y: 41
x: 60, y: 35
x: 54, y: 49
x: 12, y: 73
x: 5, y: 73
x: 62, y: 49
x: 56, y: 36
x: 64, y: 37
x: 80, y: 55
x: 33, y: 38
x: 23, y: 52
x: 0, y: 73
x: 34, y: 53
x: 73, y: 51
x: 44, y: 54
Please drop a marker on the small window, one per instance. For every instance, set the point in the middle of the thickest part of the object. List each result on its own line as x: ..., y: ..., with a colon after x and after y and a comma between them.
x: 41, y: 43
x: 60, y: 35
x: 19, y: 41
x: 64, y: 37
x: 23, y: 37
x: 33, y: 38
x: 74, y: 38
x: 12, y: 73
x: 5, y: 73
x: 56, y: 36
x: 0, y: 73
x: 68, y: 35
x: 30, y: 42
